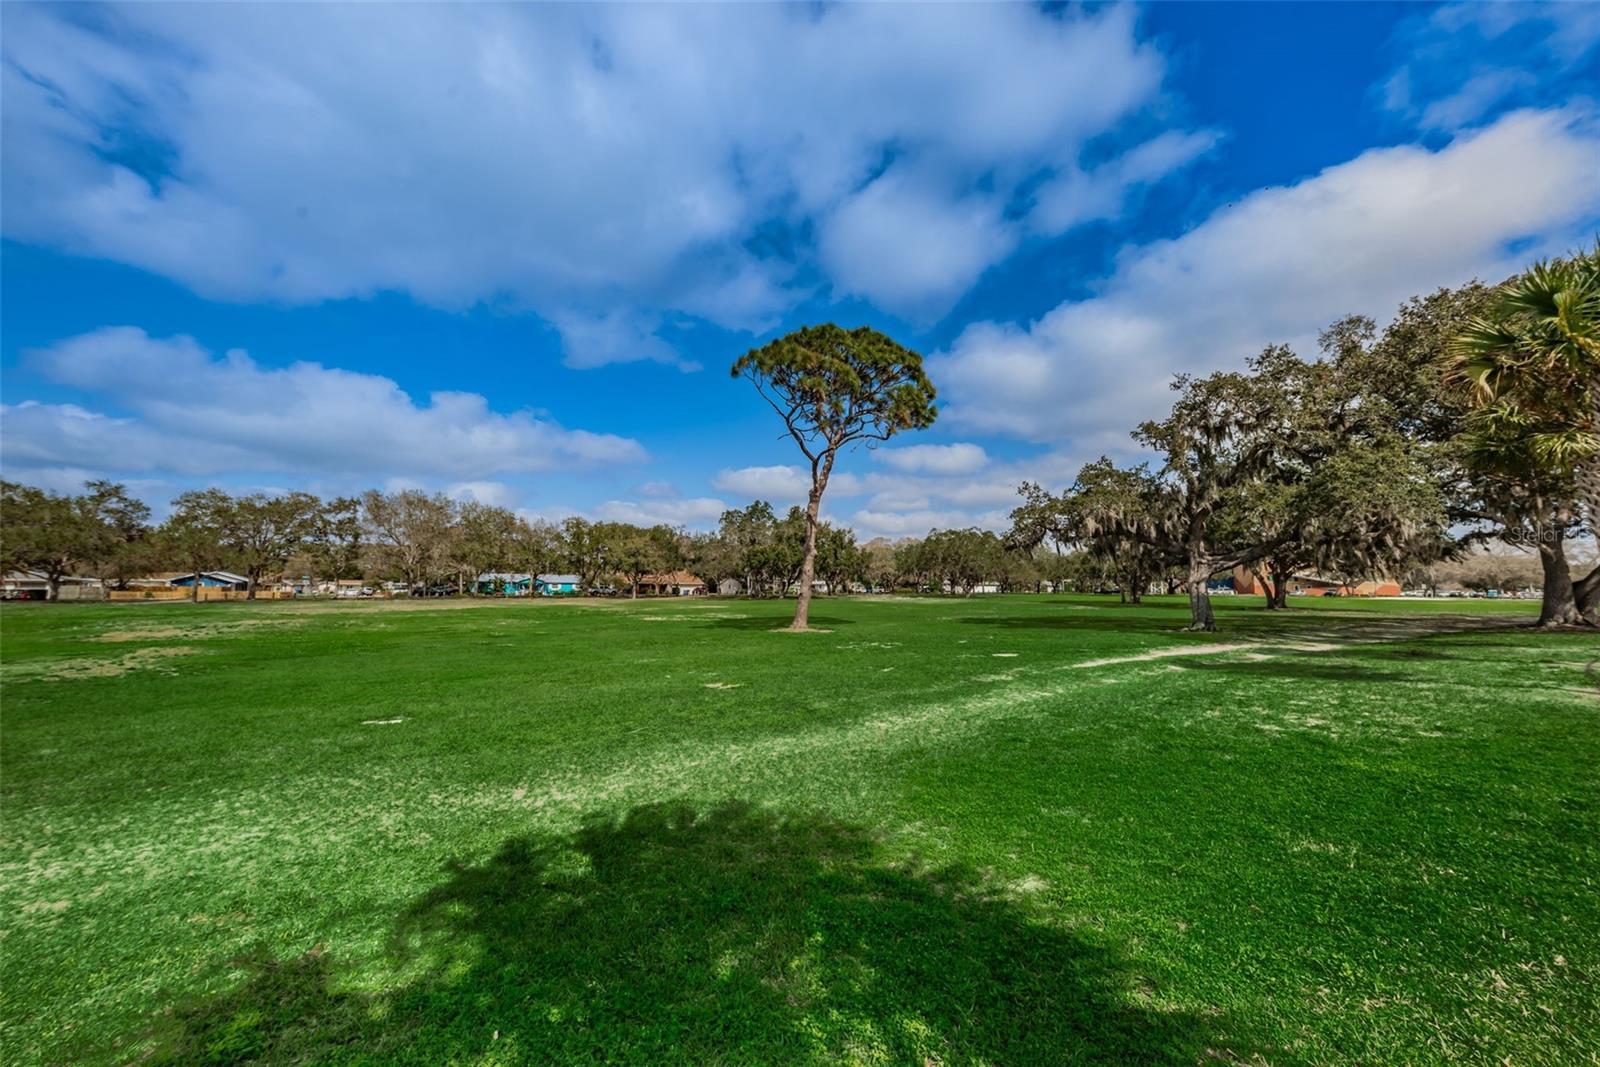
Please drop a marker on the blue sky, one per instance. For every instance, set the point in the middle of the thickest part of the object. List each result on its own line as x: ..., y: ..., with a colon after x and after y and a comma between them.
x: 509, y: 252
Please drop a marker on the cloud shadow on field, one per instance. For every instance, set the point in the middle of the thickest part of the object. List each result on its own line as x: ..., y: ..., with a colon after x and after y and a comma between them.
x: 677, y: 935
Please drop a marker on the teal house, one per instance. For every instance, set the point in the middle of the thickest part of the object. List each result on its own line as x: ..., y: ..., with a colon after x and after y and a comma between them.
x: 501, y: 583
x: 555, y: 584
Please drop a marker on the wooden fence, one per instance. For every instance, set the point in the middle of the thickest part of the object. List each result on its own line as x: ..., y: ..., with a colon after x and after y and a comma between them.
x: 206, y: 593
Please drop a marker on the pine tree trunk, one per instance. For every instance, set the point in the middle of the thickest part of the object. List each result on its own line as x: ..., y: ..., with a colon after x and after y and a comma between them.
x: 808, y: 561
x: 808, y: 564
x: 194, y: 590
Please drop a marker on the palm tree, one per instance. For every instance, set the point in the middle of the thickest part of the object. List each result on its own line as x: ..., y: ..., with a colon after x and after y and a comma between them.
x: 1536, y: 356
x: 1532, y: 367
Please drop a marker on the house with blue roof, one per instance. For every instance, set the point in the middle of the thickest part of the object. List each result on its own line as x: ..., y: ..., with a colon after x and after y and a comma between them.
x: 207, y: 580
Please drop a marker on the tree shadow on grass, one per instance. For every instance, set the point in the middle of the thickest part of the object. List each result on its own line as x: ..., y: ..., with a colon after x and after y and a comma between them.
x: 774, y: 622
x: 1126, y: 618
x: 1289, y: 668
x: 1264, y: 627
x: 734, y: 935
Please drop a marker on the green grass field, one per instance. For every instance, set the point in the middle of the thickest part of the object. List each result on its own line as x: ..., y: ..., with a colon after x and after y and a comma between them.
x: 1018, y: 830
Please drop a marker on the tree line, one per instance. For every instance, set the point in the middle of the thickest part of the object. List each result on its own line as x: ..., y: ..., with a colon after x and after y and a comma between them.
x: 428, y: 541
x: 423, y: 540
x: 1471, y: 418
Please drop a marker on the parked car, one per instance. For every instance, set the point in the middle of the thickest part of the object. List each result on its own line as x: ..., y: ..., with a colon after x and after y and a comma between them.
x: 1333, y: 592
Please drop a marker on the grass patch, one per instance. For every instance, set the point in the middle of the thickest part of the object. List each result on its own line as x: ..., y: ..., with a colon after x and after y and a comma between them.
x: 998, y: 830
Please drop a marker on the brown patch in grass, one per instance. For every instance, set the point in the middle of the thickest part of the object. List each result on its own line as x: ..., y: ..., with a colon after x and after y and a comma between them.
x: 140, y: 659
x: 45, y: 907
x: 154, y: 633
x: 212, y: 628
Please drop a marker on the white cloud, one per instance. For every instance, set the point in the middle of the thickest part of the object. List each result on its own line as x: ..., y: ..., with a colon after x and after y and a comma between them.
x: 781, y: 485
x: 1277, y: 266
x: 1465, y: 60
x: 614, y: 337
x: 658, y: 490
x: 869, y: 523
x: 934, y: 459
x: 911, y: 248
x: 40, y: 438
x: 698, y: 513
x: 1076, y: 196
x: 196, y: 414
x: 554, y: 513
x: 607, y: 166
x: 1474, y: 99
x: 497, y: 494
x: 946, y: 488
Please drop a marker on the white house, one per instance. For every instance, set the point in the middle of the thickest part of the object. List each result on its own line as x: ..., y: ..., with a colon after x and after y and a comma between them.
x: 35, y: 585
